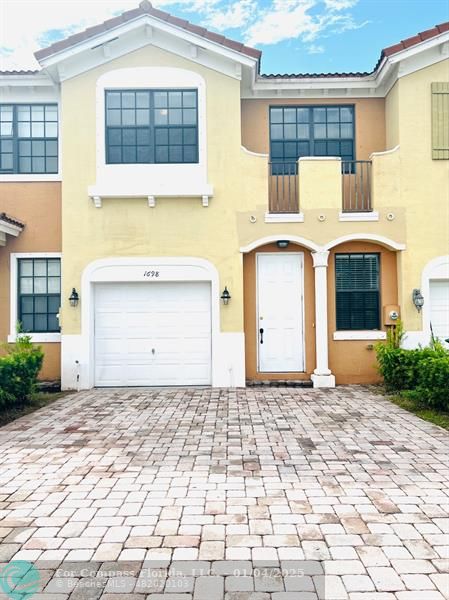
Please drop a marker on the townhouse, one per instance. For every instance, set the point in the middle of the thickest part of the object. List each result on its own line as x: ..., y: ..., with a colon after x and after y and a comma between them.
x: 170, y: 216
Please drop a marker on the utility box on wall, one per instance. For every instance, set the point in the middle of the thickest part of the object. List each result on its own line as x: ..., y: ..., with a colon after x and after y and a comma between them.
x: 391, y: 314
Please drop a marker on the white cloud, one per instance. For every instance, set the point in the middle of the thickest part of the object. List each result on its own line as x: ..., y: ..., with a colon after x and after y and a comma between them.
x: 315, y: 49
x: 340, y: 4
x: 287, y: 19
x: 233, y: 17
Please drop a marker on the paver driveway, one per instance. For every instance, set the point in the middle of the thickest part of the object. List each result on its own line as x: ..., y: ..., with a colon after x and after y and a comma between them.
x: 335, y: 481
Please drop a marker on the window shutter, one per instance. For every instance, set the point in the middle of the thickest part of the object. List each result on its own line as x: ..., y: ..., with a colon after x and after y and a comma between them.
x: 357, y: 291
x: 440, y: 120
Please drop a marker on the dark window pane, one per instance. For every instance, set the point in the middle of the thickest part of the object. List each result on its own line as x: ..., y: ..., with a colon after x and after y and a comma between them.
x: 143, y: 154
x: 319, y: 115
x: 143, y: 99
x: 129, y: 137
x: 175, y: 116
x: 346, y: 114
x: 25, y: 165
x: 175, y: 154
x: 6, y: 161
x: 320, y: 148
x: 128, y: 100
x: 333, y: 115
x: 143, y: 137
x: 38, y: 148
x: 175, y: 136
x: 115, y: 154
x: 161, y: 136
x: 128, y: 117
x: 115, y: 136
x: 53, y: 304
x: 290, y: 132
x: 303, y: 115
x: 276, y: 115
x: 162, y: 154
x: 333, y: 149
x: 277, y: 150
x: 26, y: 304
x: 113, y: 99
x: 320, y: 131
x: 40, y: 322
x: 290, y: 150
x: 40, y: 304
x: 303, y: 149
x: 114, y: 117
x: 51, y: 165
x: 6, y: 145
x: 161, y: 116
x: 276, y: 132
x: 189, y: 99
x: 38, y: 165
x: 129, y: 154
x: 160, y: 99
x: 27, y: 322
x: 53, y: 323
x: 190, y: 154
x: 142, y: 117
x: 333, y: 130
x: 189, y: 136
x: 175, y: 99
x: 303, y: 132
x: 189, y: 116
x: 51, y: 148
x: 289, y: 115
x: 346, y: 130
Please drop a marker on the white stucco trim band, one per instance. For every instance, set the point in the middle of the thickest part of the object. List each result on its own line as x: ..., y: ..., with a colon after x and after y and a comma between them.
x: 349, y: 217
x: 359, y: 335
x: 284, y: 217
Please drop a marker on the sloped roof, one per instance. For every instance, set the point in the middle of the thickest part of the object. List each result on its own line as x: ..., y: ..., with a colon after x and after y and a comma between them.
x: 146, y: 8
x: 7, y: 219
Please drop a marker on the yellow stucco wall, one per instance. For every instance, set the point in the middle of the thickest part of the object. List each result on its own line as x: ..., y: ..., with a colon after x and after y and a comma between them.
x: 422, y: 185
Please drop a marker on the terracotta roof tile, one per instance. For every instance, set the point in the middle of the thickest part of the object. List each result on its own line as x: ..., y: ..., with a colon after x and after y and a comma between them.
x: 145, y: 8
x: 20, y: 72
x: 416, y: 39
x: 11, y: 221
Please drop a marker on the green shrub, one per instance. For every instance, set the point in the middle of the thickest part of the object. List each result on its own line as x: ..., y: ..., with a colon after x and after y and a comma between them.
x: 422, y: 371
x: 18, y: 372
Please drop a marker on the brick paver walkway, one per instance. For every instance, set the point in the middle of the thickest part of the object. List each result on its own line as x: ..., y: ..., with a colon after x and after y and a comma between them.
x: 238, y: 494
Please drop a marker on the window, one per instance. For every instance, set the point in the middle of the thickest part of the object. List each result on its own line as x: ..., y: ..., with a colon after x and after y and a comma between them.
x: 39, y: 294
x: 357, y: 290
x: 28, y: 138
x: 440, y: 120
x: 297, y: 131
x: 151, y: 126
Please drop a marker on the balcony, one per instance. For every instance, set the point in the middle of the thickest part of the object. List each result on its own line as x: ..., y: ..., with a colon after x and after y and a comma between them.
x: 320, y: 182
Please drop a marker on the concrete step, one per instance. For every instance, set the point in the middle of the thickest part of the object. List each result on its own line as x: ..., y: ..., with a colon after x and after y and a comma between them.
x: 303, y: 383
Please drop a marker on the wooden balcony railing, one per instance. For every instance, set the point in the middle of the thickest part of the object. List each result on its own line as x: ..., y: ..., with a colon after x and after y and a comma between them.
x: 283, y: 187
x: 356, y: 185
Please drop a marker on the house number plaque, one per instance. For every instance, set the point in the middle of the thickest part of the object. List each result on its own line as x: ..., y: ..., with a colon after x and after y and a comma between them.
x: 151, y: 274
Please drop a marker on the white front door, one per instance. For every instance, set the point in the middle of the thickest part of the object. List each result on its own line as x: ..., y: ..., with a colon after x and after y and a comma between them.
x: 152, y: 334
x: 280, y: 338
x: 439, y: 309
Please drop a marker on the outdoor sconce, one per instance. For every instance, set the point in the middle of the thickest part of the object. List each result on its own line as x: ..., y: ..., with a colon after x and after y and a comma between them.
x: 418, y: 299
x: 282, y: 243
x: 226, y: 296
x: 74, y: 298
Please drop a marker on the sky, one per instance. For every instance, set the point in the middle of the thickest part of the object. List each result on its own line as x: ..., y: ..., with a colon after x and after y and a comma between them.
x: 296, y: 36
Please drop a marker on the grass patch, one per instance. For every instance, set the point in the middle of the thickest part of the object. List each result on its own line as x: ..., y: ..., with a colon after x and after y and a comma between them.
x: 39, y: 400
x: 428, y: 414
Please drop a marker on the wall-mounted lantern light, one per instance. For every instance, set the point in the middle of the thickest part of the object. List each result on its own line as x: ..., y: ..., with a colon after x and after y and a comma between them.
x: 226, y: 296
x: 74, y: 298
x: 282, y: 243
x: 418, y: 299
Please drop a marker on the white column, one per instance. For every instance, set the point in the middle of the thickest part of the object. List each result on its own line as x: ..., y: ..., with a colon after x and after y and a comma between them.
x: 322, y: 376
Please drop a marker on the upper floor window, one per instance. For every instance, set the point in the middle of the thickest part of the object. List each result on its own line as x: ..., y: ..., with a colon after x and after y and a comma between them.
x: 297, y: 131
x: 28, y: 138
x: 357, y: 291
x: 151, y: 126
x: 39, y: 294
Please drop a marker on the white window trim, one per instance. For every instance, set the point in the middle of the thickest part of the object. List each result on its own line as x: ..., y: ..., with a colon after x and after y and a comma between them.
x: 150, y: 180
x: 358, y: 216
x: 14, y: 293
x: 284, y: 217
x: 359, y: 335
x: 27, y: 177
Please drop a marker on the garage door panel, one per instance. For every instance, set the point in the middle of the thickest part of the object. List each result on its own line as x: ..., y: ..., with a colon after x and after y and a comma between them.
x: 132, y: 319
x: 439, y: 308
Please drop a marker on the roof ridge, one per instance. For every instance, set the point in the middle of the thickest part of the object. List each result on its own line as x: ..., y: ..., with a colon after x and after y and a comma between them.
x: 11, y: 220
x: 146, y: 8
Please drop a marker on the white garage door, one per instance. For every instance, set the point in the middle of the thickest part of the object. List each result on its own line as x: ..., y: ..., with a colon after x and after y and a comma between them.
x: 152, y: 334
x: 439, y: 308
